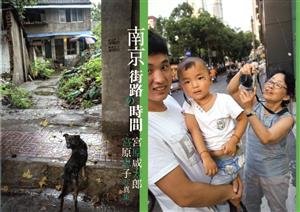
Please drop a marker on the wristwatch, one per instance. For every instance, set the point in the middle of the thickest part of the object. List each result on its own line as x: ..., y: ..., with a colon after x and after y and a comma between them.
x: 251, y: 113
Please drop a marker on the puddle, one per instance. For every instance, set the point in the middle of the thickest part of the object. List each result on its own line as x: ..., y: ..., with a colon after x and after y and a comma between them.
x: 44, y: 91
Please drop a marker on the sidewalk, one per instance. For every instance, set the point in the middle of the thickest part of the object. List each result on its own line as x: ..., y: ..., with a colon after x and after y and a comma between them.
x: 33, y: 132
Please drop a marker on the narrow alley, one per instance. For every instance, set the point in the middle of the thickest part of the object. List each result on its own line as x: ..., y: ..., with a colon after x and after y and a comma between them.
x: 32, y: 142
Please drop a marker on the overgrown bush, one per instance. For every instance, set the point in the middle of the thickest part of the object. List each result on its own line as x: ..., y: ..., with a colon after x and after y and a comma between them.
x: 81, y: 86
x: 41, y: 69
x: 15, y: 97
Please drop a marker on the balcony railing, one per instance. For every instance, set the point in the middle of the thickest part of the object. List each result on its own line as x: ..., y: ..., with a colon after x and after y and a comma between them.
x: 63, y: 1
x: 35, y: 22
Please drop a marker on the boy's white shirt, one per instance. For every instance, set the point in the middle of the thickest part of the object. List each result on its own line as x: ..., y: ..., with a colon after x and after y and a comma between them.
x: 170, y: 146
x: 217, y: 124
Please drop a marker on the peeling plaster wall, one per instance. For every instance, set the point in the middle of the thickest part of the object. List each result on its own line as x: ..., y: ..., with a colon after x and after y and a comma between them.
x: 5, y: 65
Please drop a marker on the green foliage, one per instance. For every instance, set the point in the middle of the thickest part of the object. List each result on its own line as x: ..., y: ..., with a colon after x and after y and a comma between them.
x: 97, y: 34
x: 41, y: 69
x: 182, y: 11
x: 69, y: 88
x: 15, y: 97
x: 202, y: 35
x: 87, y: 104
x: 82, y: 85
x: 96, y: 16
x: 19, y: 5
x: 91, y: 69
x: 96, y: 12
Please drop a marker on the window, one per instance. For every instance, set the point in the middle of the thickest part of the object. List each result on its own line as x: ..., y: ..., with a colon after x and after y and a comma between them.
x: 74, y: 15
x: 68, y: 15
x: 71, y: 47
x: 80, y: 14
x: 77, y: 15
x: 34, y: 16
x: 62, y: 16
x: 71, y: 15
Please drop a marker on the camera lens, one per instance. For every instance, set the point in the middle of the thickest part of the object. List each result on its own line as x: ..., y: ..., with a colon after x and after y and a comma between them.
x: 246, y: 81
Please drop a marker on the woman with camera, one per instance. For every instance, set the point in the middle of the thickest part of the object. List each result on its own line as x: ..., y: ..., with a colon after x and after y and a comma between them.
x: 267, y: 163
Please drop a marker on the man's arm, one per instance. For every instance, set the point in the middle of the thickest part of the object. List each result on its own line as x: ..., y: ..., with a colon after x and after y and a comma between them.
x: 186, y: 193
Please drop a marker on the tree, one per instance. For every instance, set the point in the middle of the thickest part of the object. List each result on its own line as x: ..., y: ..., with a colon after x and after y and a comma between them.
x: 96, y: 12
x: 97, y: 34
x: 20, y: 4
x: 182, y: 11
x: 96, y: 17
x: 202, y: 35
x: 161, y: 25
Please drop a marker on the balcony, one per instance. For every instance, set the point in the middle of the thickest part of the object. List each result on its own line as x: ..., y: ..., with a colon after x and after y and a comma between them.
x: 63, y: 2
x: 27, y: 23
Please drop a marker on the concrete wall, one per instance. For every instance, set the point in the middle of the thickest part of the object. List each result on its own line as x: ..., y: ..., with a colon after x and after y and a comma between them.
x: 25, y: 55
x: 278, y: 35
x: 20, y: 53
x: 116, y: 20
x: 52, y: 18
x: 5, y: 65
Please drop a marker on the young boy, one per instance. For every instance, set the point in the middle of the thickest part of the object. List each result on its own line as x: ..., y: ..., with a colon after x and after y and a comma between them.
x: 174, y: 169
x: 214, y: 117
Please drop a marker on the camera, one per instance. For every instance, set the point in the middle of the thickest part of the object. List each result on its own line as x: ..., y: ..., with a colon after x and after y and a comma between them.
x: 249, y: 81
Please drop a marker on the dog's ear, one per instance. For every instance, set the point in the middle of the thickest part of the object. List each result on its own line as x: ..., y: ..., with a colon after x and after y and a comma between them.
x: 66, y: 135
x: 77, y: 136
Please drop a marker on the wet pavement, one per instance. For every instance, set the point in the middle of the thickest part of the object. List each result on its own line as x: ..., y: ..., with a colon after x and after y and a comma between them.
x: 47, y: 201
x: 33, y: 132
x: 32, y: 139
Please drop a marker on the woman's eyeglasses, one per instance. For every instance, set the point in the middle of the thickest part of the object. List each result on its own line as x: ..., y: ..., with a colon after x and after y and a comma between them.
x: 275, y: 84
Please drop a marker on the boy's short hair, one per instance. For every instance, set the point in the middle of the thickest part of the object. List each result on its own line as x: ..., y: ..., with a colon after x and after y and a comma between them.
x: 156, y: 44
x: 188, y: 63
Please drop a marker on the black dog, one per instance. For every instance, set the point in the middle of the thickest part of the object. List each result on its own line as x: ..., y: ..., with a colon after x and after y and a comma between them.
x: 72, y: 168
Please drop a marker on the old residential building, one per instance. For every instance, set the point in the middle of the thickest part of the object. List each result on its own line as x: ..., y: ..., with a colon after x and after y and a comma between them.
x: 51, y: 24
x: 15, y: 61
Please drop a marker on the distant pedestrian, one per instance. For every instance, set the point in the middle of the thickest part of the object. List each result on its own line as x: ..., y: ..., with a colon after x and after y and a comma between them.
x: 213, y: 74
x: 175, y: 83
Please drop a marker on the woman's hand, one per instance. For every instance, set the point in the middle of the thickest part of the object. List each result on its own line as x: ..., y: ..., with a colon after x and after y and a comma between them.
x: 248, y: 69
x: 247, y: 99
